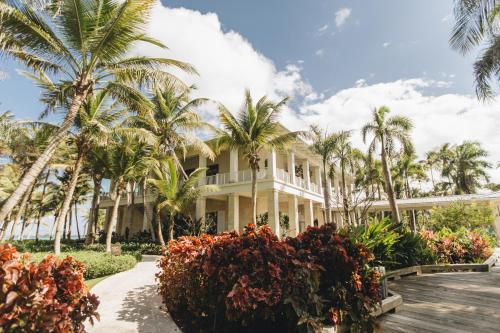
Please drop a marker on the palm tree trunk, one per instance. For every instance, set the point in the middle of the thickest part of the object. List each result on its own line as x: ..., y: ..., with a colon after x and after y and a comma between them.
x: 67, y: 202
x: 19, y: 214
x: 31, y: 175
x: 254, y: 194
x: 413, y: 219
x: 132, y: 206
x: 94, y: 211
x: 345, y: 202
x: 76, y: 221
x: 65, y: 227
x: 113, y: 219
x: 158, y: 226
x: 389, y: 187
x: 70, y: 223
x: 326, y: 194
x: 40, y: 211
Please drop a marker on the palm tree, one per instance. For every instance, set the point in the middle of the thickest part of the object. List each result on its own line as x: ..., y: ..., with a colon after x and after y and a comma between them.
x: 172, y: 122
x: 386, y: 131
x: 173, y: 195
x: 128, y: 158
x: 344, y: 153
x: 477, y: 24
x: 431, y: 160
x: 325, y: 144
x: 93, y: 124
x: 96, y: 165
x: 445, y: 156
x: 85, y: 45
x: 256, y: 129
x: 470, y: 168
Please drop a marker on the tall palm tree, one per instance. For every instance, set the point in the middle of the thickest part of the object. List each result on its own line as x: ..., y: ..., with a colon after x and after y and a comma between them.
x: 470, y: 167
x: 386, y: 131
x: 325, y: 144
x: 172, y: 123
x: 477, y: 23
x: 93, y: 124
x: 96, y: 165
x: 344, y: 153
x: 254, y: 130
x: 86, y: 46
x: 431, y: 160
x: 173, y: 195
x: 445, y: 156
x: 128, y: 158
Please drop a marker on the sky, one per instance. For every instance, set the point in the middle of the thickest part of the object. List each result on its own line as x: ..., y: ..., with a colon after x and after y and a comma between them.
x: 337, y: 60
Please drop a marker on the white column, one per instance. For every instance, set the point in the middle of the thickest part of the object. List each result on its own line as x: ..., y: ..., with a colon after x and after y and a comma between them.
x: 318, y: 179
x: 293, y: 215
x: 273, y: 211
x: 233, y: 165
x: 201, y: 207
x: 291, y: 165
x: 233, y: 218
x: 308, y: 213
x: 307, y: 174
x: 271, y: 164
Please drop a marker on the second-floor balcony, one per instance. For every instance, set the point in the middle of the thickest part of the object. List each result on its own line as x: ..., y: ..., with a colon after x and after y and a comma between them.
x: 244, y: 176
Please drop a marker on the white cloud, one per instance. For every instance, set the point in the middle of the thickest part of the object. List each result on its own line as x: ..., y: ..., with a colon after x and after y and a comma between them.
x: 226, y: 62
x: 322, y: 29
x: 386, y: 44
x: 320, y: 52
x: 3, y: 75
x: 341, y: 16
x: 437, y: 118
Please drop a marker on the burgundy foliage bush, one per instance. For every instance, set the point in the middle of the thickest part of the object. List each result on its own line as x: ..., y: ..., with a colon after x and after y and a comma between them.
x: 255, y: 282
x: 49, y: 296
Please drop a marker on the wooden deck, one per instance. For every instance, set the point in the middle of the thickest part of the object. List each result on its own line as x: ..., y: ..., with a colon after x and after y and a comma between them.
x: 447, y: 302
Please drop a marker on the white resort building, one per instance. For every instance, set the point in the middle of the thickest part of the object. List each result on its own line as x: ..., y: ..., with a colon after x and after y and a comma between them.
x: 288, y: 182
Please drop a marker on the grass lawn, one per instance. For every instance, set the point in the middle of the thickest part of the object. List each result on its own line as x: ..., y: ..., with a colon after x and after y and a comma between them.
x: 92, y: 282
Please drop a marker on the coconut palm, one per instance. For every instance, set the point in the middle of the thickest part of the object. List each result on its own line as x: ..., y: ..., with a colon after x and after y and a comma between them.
x: 254, y: 130
x: 386, y: 132
x: 93, y: 124
x: 445, y: 157
x: 469, y: 167
x: 477, y: 23
x: 96, y: 165
x: 7, y: 128
x: 173, y: 195
x: 344, y: 153
x: 75, y: 49
x: 128, y: 157
x: 325, y: 144
x: 172, y: 123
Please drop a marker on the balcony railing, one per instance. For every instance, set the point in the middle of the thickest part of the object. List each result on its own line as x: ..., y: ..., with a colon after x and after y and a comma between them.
x: 234, y: 177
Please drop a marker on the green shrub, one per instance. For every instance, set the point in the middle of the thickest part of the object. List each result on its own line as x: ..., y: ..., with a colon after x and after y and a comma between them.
x: 459, y: 215
x: 97, y: 263
x: 412, y: 250
x: 379, y: 237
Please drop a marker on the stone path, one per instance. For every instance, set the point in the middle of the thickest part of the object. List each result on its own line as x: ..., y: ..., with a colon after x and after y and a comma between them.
x: 130, y: 302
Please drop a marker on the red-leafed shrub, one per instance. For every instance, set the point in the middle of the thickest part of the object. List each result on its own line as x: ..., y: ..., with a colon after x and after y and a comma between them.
x: 49, y: 296
x: 458, y: 247
x: 255, y: 282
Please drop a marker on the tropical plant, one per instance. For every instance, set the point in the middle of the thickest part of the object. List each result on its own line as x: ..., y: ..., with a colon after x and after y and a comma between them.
x: 128, y: 157
x: 477, y: 23
x: 459, y: 214
x: 86, y: 46
x: 386, y: 132
x: 173, y: 195
x: 469, y: 167
x: 172, y: 123
x: 325, y: 144
x: 93, y: 125
x: 254, y: 130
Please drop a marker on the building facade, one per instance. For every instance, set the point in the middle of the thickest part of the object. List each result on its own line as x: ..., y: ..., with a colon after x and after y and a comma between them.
x: 287, y: 182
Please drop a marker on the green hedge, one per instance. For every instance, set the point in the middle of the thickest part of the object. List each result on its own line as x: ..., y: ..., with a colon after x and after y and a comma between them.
x: 97, y: 263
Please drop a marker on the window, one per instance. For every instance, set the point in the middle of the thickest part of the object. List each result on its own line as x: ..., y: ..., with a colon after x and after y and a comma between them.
x: 213, y: 169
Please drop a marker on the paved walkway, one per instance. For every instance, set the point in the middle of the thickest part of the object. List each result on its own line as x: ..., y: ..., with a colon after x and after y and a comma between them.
x: 130, y: 303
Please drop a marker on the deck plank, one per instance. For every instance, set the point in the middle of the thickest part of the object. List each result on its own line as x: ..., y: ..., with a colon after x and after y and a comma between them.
x: 447, y: 302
